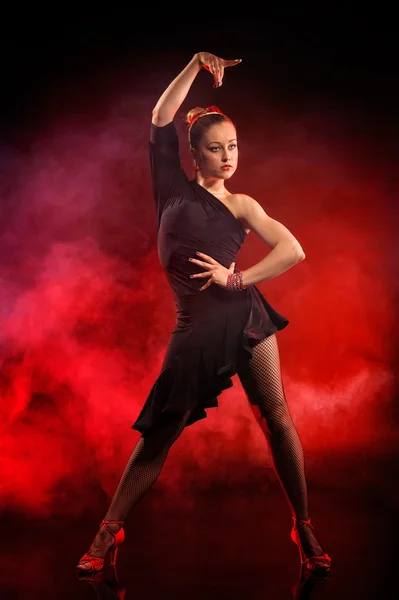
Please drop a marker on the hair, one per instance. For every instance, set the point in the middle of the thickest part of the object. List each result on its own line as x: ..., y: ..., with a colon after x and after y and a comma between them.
x: 199, y: 121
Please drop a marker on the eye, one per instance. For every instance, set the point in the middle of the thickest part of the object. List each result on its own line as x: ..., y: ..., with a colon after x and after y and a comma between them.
x: 233, y: 146
x: 214, y: 148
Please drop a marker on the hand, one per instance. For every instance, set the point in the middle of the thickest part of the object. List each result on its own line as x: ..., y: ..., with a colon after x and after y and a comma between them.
x: 218, y: 273
x: 216, y: 65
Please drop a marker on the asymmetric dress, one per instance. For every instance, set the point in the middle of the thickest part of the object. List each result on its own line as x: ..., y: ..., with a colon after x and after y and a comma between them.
x: 214, y: 328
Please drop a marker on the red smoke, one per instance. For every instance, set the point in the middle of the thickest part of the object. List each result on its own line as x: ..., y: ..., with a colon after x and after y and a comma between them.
x: 86, y: 312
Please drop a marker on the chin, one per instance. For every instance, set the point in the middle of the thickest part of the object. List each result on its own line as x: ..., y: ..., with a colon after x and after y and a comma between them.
x: 227, y: 174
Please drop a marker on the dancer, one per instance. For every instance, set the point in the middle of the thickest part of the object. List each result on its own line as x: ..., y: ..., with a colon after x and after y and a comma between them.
x: 224, y: 325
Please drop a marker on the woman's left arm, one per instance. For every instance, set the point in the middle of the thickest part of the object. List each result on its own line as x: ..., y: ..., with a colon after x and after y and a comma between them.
x: 286, y: 250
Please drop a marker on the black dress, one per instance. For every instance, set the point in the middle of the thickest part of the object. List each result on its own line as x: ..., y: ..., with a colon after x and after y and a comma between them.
x: 214, y: 328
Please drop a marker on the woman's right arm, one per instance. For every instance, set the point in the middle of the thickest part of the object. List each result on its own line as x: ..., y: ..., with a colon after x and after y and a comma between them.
x: 166, y: 170
x: 176, y: 92
x: 174, y: 95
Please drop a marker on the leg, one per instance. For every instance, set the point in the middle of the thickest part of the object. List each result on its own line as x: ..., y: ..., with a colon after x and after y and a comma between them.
x: 143, y: 468
x: 262, y: 382
x: 141, y: 472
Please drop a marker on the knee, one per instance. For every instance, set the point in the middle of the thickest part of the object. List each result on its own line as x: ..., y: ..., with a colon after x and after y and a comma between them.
x: 282, y: 426
x: 277, y: 426
x: 158, y: 441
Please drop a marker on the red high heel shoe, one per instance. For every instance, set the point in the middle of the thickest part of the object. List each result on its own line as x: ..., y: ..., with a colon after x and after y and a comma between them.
x: 318, y: 564
x: 89, y: 563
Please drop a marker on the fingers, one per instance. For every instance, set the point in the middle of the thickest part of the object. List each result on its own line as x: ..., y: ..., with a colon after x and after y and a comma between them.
x: 232, y: 63
x: 210, y: 274
x: 203, y: 264
x: 216, y: 67
x: 210, y: 259
x: 219, y: 72
x: 207, y: 284
x: 199, y: 275
x: 216, y: 70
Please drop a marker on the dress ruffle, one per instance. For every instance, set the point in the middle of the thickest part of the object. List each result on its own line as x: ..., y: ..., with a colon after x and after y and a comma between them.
x: 263, y: 320
x: 204, y: 351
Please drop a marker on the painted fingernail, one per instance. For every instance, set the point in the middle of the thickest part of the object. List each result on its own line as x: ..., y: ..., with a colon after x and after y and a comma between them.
x: 191, y: 276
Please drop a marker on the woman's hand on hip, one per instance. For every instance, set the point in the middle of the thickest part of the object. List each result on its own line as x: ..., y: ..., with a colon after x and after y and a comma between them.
x: 216, y: 272
x: 216, y: 65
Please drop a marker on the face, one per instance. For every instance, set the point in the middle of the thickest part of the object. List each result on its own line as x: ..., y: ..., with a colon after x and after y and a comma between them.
x: 217, y: 155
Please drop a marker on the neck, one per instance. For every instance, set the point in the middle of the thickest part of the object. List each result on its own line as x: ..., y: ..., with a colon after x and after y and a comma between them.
x: 212, y: 184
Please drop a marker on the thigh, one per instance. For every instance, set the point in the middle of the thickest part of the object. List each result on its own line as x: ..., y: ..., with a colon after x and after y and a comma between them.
x: 161, y: 437
x: 262, y: 381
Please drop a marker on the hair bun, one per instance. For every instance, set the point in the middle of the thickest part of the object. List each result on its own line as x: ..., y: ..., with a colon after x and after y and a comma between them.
x: 198, y: 111
x: 214, y: 109
x: 194, y: 113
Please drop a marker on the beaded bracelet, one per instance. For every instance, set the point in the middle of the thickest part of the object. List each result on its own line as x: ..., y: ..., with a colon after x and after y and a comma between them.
x: 235, y: 282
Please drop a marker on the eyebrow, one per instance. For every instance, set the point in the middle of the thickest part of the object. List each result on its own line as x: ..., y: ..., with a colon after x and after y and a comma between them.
x: 233, y: 140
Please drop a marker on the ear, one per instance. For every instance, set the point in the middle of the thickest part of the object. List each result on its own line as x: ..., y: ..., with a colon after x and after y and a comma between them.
x: 194, y: 153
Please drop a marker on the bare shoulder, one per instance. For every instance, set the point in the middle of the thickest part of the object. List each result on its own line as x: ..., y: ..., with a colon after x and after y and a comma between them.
x: 253, y: 216
x: 243, y: 204
x: 244, y: 200
x: 232, y: 202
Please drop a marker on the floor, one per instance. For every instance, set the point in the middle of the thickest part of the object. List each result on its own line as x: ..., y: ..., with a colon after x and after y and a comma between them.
x: 219, y: 541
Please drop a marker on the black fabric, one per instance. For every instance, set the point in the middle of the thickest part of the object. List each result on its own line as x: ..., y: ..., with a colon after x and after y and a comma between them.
x: 214, y: 328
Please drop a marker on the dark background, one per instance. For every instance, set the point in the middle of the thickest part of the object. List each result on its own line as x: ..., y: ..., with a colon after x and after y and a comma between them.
x: 321, y: 55
x: 318, y: 60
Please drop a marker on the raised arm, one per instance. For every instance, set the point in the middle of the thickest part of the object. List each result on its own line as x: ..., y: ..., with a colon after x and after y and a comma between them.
x: 174, y: 95
x: 167, y: 173
x: 176, y: 92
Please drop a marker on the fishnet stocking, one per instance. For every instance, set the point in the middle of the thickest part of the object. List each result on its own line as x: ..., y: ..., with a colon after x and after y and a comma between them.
x: 141, y: 472
x: 262, y: 381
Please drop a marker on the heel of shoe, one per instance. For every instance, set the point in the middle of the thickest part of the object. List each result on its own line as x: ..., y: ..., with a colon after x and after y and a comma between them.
x: 319, y: 565
x: 119, y: 537
x: 113, y: 554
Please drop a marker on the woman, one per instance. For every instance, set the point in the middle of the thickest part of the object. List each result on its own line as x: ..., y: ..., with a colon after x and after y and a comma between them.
x: 223, y: 326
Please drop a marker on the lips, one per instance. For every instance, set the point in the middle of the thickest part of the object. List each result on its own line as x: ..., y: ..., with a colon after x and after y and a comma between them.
x: 226, y: 167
